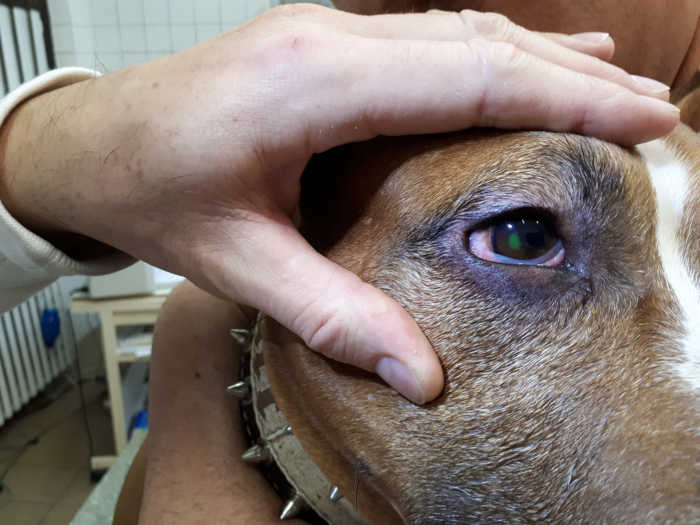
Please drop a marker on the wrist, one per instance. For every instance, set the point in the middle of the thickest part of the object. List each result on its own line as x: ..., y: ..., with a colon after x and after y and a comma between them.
x: 35, y: 185
x: 17, y: 147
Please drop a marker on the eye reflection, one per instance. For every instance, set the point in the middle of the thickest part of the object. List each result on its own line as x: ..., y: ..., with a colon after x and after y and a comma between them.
x: 523, y: 239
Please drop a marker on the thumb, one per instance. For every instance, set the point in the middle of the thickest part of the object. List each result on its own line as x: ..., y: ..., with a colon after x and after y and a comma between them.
x: 330, y: 308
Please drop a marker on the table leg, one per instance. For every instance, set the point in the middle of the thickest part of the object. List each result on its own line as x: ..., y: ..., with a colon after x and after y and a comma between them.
x: 114, y: 383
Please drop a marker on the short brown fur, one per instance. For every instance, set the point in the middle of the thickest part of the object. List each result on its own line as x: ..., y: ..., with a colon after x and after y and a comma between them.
x: 560, y: 403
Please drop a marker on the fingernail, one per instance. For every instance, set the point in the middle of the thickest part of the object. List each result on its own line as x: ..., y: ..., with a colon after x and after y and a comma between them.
x: 676, y: 111
x: 651, y: 86
x: 401, y: 378
x: 662, y: 105
x: 593, y: 38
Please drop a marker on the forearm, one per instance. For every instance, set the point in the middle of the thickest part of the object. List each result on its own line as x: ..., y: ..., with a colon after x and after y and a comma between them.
x: 48, y: 145
x: 34, y: 248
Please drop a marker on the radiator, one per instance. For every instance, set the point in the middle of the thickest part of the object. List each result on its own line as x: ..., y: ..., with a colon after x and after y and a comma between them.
x: 26, y: 364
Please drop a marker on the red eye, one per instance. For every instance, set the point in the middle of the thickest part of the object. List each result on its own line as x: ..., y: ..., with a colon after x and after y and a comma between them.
x: 524, y: 239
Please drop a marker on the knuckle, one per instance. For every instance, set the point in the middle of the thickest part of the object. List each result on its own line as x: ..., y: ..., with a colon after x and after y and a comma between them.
x: 290, y: 45
x: 287, y: 11
x: 292, y: 28
x: 477, y: 48
x: 491, y: 25
x: 503, y: 55
x: 328, y: 334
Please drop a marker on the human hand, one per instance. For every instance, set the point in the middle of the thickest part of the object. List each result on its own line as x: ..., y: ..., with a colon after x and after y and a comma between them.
x: 192, y: 162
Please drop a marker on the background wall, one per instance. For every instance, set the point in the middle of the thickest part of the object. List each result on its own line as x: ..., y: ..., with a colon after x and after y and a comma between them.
x: 110, y: 34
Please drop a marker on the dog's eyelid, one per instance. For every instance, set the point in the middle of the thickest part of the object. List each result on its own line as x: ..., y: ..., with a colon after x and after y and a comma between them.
x: 468, y: 212
x: 518, y: 212
x: 473, y: 211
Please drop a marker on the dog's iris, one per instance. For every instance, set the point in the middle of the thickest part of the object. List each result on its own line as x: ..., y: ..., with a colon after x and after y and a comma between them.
x: 523, y: 238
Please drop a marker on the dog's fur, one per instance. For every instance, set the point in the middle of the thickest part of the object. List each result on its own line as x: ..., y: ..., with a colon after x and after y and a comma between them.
x: 565, y: 399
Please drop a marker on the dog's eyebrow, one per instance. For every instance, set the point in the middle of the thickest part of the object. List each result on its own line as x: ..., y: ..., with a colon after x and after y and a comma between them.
x: 555, y: 173
x: 589, y: 168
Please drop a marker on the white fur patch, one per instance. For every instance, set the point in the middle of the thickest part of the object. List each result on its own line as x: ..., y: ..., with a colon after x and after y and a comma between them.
x: 670, y: 179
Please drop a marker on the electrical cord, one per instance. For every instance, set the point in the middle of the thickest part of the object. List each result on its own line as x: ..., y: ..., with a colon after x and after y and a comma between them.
x: 76, y: 363
x: 83, y: 404
x: 83, y: 408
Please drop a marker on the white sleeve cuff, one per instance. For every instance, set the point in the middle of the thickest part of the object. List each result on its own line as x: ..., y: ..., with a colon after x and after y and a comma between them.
x: 27, y: 261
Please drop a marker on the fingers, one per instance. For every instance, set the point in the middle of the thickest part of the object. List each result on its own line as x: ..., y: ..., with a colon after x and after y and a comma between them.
x: 600, y: 45
x: 570, y: 51
x: 438, y: 72
x: 479, y: 83
x: 333, y: 311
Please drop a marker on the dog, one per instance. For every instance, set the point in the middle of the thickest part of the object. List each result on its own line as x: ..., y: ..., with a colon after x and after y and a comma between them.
x: 558, y: 279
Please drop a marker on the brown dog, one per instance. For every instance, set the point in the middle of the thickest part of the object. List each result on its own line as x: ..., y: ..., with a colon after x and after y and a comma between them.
x: 571, y: 385
x: 558, y: 279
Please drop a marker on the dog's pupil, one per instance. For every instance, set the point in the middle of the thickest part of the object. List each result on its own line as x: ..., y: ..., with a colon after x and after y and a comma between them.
x: 522, y: 238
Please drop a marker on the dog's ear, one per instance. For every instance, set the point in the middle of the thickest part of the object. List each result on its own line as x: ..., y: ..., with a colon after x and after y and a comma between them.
x: 690, y: 106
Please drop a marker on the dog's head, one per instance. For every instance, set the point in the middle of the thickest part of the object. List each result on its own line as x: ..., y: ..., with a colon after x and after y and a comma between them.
x: 558, y: 279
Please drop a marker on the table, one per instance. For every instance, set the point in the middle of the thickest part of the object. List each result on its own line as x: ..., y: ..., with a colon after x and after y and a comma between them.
x: 114, y: 312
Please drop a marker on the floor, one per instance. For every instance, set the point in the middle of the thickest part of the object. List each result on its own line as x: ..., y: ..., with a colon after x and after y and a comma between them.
x: 47, y: 482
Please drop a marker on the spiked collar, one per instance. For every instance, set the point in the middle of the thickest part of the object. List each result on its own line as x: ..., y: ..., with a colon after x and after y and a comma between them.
x: 275, y: 449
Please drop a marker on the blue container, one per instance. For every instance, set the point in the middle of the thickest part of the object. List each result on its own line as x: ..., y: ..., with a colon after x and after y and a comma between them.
x: 50, y: 326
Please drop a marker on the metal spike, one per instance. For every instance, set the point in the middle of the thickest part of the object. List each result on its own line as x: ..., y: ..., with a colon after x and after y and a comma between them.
x: 239, y: 389
x: 294, y: 506
x: 284, y: 431
x: 240, y: 335
x: 257, y: 454
x: 335, y: 495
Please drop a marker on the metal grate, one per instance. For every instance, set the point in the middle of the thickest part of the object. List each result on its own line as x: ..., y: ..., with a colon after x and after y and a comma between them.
x: 26, y: 48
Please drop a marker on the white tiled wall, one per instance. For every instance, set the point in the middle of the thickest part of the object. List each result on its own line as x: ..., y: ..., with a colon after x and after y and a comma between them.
x: 109, y: 34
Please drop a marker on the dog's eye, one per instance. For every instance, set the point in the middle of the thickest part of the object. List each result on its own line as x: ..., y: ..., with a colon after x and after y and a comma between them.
x: 518, y: 239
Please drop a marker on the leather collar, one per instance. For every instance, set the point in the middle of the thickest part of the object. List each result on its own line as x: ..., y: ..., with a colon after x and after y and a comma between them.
x: 275, y: 448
